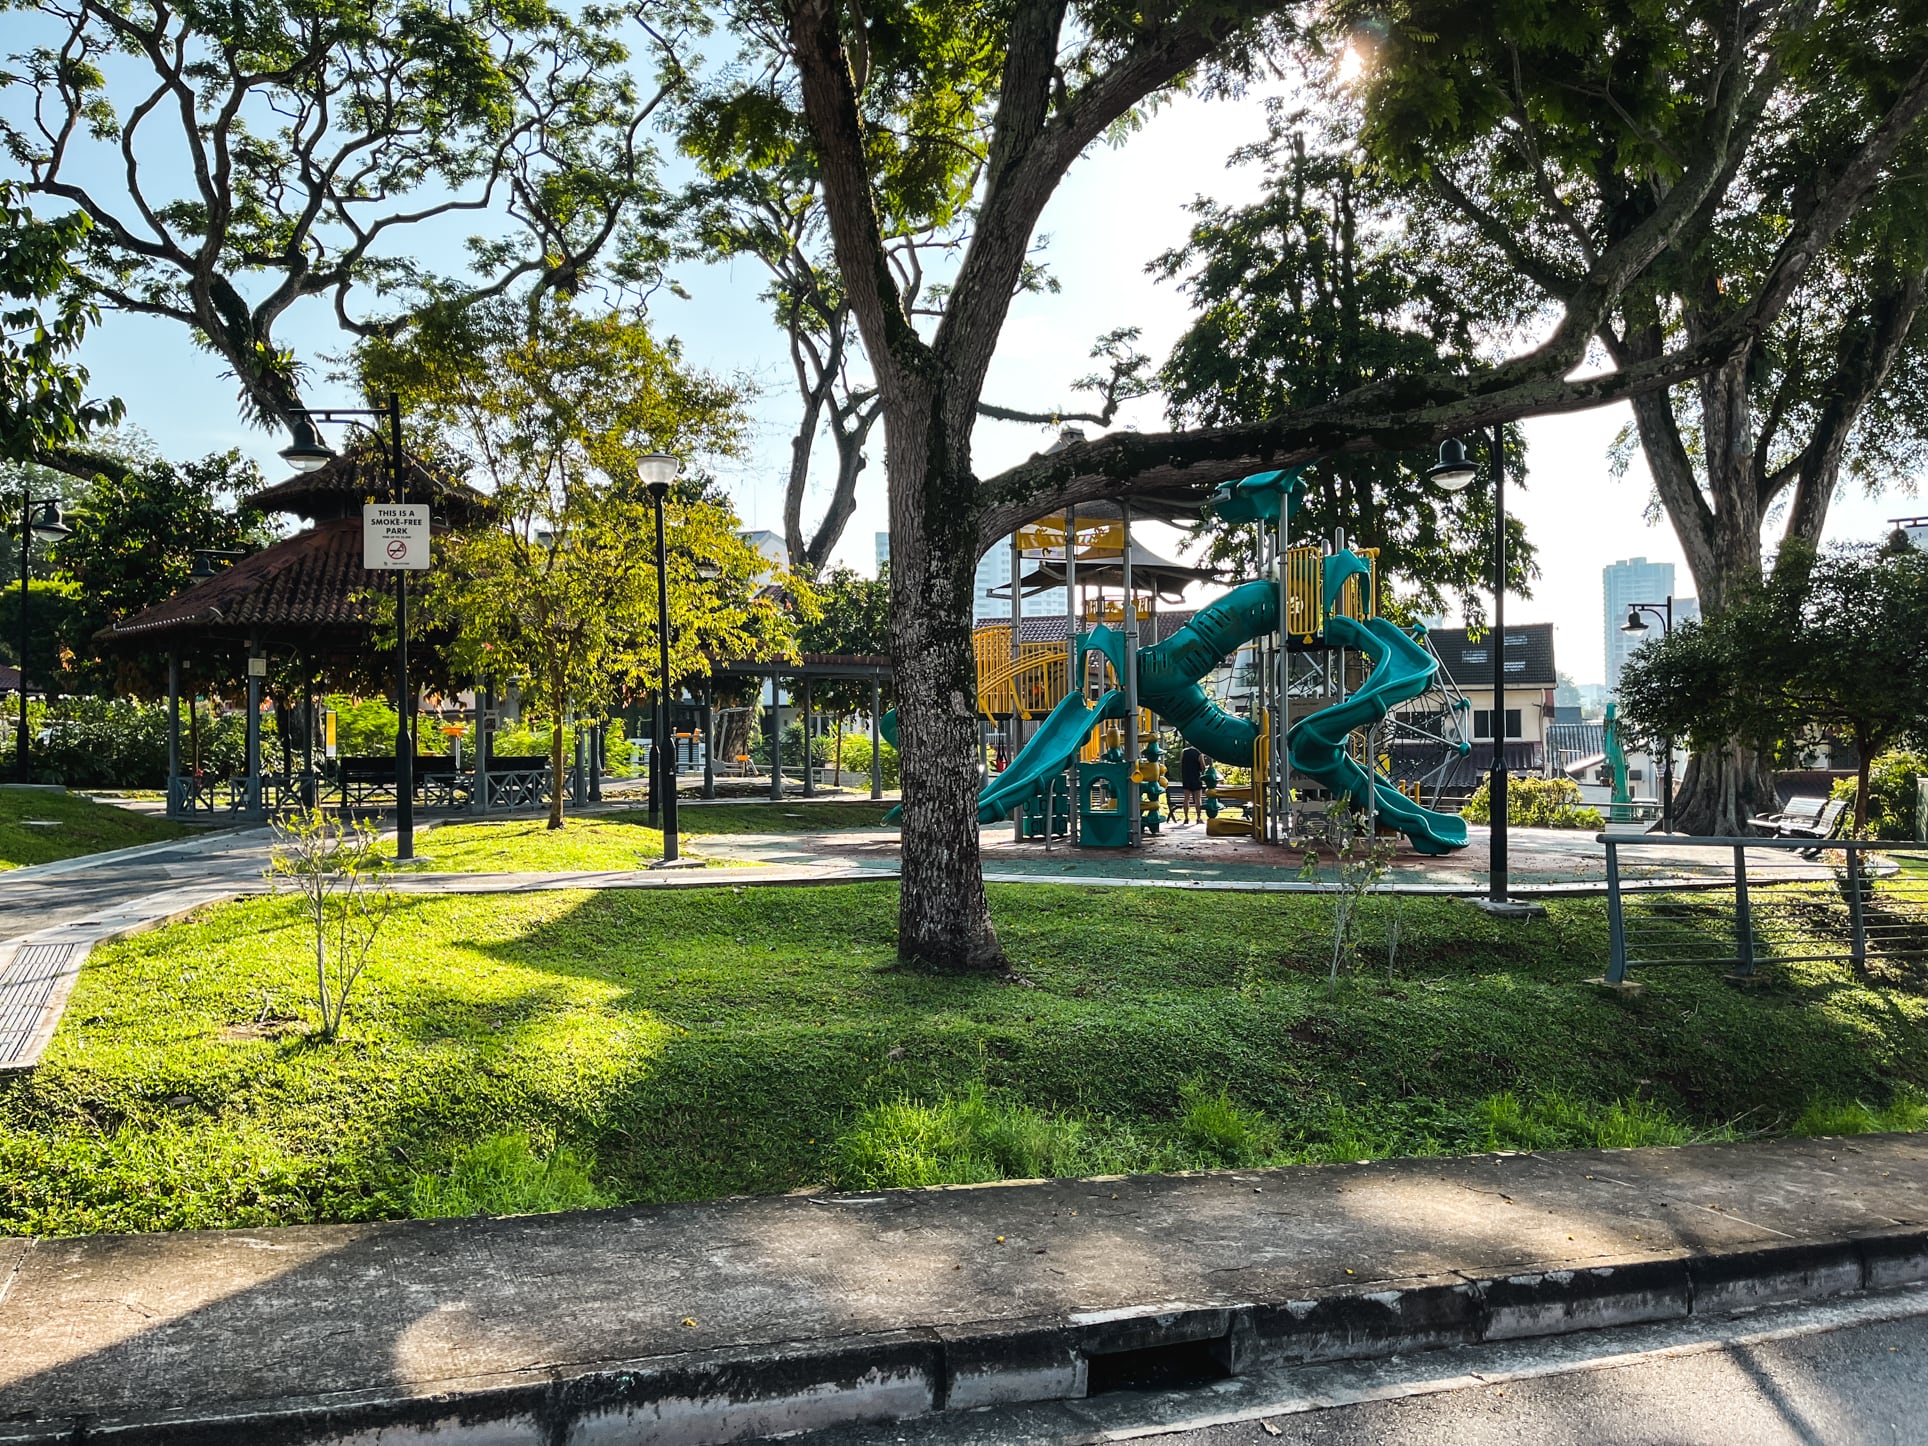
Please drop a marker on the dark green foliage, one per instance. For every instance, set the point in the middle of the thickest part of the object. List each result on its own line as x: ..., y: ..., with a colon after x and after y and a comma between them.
x: 44, y: 315
x: 1306, y: 295
x: 710, y: 1042
x: 1535, y: 803
x: 119, y: 743
x: 1893, y: 794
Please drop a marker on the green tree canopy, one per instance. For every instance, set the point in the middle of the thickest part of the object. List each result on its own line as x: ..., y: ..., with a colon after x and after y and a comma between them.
x: 44, y: 315
x: 1306, y: 295
x: 548, y: 412
x: 1835, y: 641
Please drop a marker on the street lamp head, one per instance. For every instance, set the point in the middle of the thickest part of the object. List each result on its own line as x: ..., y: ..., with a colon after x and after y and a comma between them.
x: 657, y: 471
x: 47, y: 525
x: 1635, y: 625
x: 307, y: 453
x: 1453, y: 471
x: 708, y: 571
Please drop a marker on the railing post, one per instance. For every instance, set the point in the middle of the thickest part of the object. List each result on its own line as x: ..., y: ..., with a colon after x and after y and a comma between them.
x: 1743, y: 913
x: 1616, y: 929
x: 1857, y: 935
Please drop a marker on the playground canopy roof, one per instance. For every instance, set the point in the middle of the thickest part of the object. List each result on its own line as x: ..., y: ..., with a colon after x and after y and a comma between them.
x: 1149, y: 572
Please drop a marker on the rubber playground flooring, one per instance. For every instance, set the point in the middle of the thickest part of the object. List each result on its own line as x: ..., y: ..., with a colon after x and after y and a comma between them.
x: 1539, y: 860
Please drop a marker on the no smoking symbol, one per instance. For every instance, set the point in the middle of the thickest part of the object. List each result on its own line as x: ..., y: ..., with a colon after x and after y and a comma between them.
x: 397, y: 548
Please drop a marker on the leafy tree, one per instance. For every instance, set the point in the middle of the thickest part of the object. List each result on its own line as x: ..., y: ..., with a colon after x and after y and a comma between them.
x: 1011, y: 97
x: 237, y: 160
x: 138, y: 527
x: 1303, y: 296
x: 43, y: 317
x: 1835, y: 641
x: 549, y: 412
x: 1543, y: 132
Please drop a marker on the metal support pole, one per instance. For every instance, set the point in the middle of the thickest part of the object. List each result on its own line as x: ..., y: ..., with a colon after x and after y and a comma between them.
x: 251, y: 789
x: 1616, y: 926
x: 484, y: 741
x: 664, y: 747
x: 776, y: 737
x: 404, y: 695
x: 1282, y: 754
x: 1017, y: 730
x: 809, y: 743
x: 709, y: 738
x: 1072, y: 670
x: 876, y: 741
x: 1857, y: 923
x: 25, y: 767
x: 1134, y: 800
x: 1496, y: 847
x: 311, y: 707
x: 1743, y: 912
x: 173, y: 731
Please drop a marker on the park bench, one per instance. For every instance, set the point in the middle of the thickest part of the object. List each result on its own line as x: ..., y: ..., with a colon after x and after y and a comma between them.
x: 364, y: 781
x: 1804, y: 817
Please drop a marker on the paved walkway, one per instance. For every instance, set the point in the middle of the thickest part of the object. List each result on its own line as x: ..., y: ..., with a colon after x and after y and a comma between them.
x: 737, y: 1318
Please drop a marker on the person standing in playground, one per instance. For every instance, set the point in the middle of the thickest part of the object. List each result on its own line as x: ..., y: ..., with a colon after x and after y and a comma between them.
x: 1191, y: 783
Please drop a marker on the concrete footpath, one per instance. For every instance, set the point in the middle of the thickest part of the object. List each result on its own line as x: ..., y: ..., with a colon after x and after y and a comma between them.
x: 735, y: 1319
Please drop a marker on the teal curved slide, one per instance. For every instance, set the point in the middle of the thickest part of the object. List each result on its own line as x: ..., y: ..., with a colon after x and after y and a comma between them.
x: 1318, y: 745
x: 1049, y: 752
x: 1169, y: 672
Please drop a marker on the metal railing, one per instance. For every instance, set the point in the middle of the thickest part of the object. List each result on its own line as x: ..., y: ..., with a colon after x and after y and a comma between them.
x: 1746, y: 902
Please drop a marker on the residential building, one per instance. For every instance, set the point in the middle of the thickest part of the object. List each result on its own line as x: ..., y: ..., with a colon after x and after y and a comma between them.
x: 1527, y: 711
x: 1915, y: 529
x: 769, y: 543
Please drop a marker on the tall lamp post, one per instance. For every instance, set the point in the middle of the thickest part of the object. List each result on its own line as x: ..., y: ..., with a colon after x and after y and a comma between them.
x: 1454, y: 472
x: 48, y: 527
x: 658, y: 471
x: 309, y: 454
x: 1636, y: 627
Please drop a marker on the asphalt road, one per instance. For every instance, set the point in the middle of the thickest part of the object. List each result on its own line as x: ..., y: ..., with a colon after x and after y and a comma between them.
x: 1830, y: 1375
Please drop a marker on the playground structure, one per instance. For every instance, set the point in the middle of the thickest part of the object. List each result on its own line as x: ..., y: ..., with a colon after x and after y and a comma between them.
x: 1332, y: 685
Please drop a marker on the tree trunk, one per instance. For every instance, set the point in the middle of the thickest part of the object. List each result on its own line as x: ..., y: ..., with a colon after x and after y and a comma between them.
x: 943, y: 920
x: 555, y: 758
x: 1722, y: 789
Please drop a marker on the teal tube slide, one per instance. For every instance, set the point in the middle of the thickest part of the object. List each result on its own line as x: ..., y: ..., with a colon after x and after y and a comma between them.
x: 1169, y: 672
x: 1049, y: 752
x: 1402, y: 669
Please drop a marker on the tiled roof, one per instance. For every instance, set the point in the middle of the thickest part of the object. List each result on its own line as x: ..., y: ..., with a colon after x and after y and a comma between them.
x: 311, y: 580
x: 1529, y: 656
x: 356, y: 475
x: 1051, y: 628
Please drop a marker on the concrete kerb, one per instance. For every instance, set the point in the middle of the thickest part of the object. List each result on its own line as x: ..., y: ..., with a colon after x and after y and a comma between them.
x: 912, y: 1364
x: 704, y: 1398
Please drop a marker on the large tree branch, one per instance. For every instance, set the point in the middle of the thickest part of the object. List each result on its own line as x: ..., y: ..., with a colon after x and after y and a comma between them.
x: 1866, y: 356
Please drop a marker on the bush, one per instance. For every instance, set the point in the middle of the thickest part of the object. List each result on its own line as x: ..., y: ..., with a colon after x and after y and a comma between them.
x: 856, y: 757
x: 1536, y: 803
x: 1891, y: 793
x: 503, y: 1175
x: 120, y: 743
x: 1223, y: 1133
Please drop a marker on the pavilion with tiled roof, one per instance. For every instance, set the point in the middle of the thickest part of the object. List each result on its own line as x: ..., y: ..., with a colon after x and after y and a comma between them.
x: 304, y: 597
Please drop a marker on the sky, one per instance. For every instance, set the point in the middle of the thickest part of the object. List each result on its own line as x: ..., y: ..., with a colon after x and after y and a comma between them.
x: 1119, y: 208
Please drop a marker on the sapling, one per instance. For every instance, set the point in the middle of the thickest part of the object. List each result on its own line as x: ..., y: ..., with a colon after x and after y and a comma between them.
x: 1360, y: 861
x: 332, y: 864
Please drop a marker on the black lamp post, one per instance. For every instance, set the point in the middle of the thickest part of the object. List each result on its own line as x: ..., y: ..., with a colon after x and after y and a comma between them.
x: 1454, y: 472
x: 658, y: 471
x: 309, y: 453
x: 48, y: 527
x: 1636, y: 626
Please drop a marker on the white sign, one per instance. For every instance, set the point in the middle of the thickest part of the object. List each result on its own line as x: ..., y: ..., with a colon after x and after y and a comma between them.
x: 394, y: 536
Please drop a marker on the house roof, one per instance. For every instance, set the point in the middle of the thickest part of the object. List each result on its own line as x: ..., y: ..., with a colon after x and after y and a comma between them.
x: 1529, y: 657
x: 307, y: 583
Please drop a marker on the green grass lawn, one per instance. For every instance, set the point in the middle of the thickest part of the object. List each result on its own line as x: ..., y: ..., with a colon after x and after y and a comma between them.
x: 41, y: 825
x: 619, y: 839
x: 677, y: 1046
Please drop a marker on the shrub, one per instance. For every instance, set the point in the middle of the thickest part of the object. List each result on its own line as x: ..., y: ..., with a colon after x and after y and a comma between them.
x: 856, y: 757
x: 1536, y: 803
x: 1891, y: 793
x: 121, y: 743
x: 503, y: 1175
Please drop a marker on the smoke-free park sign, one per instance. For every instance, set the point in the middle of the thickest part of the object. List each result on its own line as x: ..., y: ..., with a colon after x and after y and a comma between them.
x: 394, y: 536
